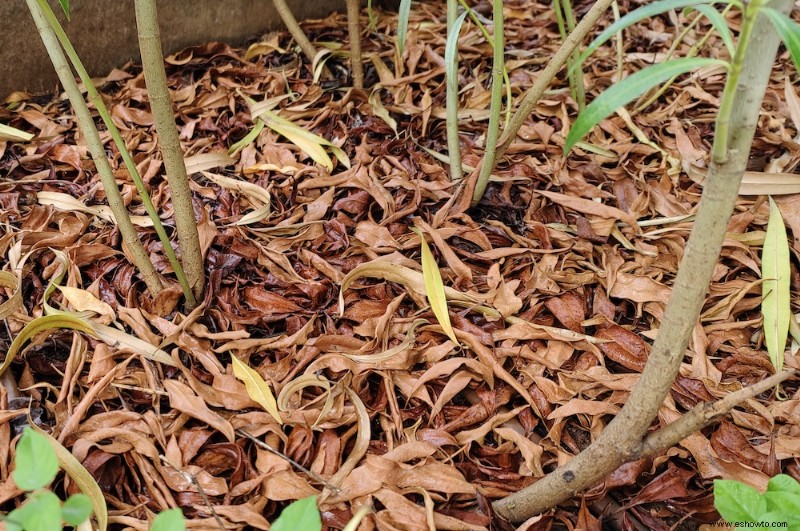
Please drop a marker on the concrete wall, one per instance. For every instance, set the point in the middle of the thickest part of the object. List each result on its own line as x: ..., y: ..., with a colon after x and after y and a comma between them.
x: 104, y: 32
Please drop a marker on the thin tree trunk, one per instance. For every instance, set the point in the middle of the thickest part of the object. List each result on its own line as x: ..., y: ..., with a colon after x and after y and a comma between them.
x: 169, y: 143
x: 354, y: 28
x: 138, y: 255
x: 294, y: 29
x: 622, y: 438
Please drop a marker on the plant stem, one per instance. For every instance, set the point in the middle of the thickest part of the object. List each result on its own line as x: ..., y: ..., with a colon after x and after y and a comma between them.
x: 623, y: 436
x: 130, y: 165
x: 354, y: 28
x: 557, y: 62
x: 169, y: 143
x: 577, y: 76
x: 139, y: 256
x: 294, y: 29
x: 722, y: 136
x: 453, y: 142
x: 495, y: 107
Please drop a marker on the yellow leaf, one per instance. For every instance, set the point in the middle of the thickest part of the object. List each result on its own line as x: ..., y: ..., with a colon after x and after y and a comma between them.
x: 775, y: 288
x: 256, y: 387
x: 7, y: 280
x: 12, y: 133
x: 434, y: 288
x: 82, y: 300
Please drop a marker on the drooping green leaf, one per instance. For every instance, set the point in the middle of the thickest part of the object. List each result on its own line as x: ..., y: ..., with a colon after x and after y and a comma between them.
x: 648, y: 10
x: 451, y: 53
x: 35, y: 464
x: 775, y: 301
x: 434, y: 289
x: 76, y: 509
x: 451, y: 76
x: 402, y: 25
x: 718, y: 21
x: 627, y: 90
x: 65, y: 6
x: 789, y: 30
x: 302, y: 514
x: 169, y: 520
x: 737, y: 502
x: 42, y: 512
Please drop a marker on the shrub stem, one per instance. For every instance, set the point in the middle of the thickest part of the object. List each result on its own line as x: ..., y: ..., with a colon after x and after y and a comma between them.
x: 169, y: 143
x: 622, y: 438
x: 138, y: 255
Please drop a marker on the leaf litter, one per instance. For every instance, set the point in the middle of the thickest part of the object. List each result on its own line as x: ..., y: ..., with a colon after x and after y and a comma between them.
x: 319, y: 338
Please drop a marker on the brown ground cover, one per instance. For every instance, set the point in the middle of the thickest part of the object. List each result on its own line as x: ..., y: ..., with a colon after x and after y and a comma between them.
x: 574, y: 254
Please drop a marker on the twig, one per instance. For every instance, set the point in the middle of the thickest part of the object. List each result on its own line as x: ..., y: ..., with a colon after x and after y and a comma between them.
x: 704, y: 414
x: 265, y: 446
x: 354, y: 28
x: 193, y: 480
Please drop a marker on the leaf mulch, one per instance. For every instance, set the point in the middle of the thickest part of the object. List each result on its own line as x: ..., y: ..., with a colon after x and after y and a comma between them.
x: 576, y: 255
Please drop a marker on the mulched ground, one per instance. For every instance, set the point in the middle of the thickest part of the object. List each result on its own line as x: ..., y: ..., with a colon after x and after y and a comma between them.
x: 380, y: 408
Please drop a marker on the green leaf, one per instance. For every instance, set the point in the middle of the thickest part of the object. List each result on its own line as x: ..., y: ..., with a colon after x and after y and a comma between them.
x: 65, y: 7
x: 649, y: 10
x: 82, y: 478
x: 783, y: 483
x: 15, y: 135
x: 630, y: 88
x: 42, y: 512
x: 775, y: 302
x: 434, y: 288
x: 779, y: 519
x: 35, y: 464
x: 402, y: 26
x: 737, y: 502
x: 169, y: 520
x: 718, y: 21
x: 451, y: 53
x: 789, y: 30
x: 76, y: 509
x: 302, y: 514
x: 785, y: 502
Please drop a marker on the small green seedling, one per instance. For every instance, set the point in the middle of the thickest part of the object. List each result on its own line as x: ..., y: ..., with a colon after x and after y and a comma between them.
x: 35, y: 467
x: 169, y: 520
x: 302, y: 514
x: 740, y: 503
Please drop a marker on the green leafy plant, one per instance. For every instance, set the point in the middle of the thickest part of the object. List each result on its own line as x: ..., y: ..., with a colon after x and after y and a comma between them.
x: 301, y: 514
x: 35, y: 467
x: 169, y: 520
x: 741, y: 503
